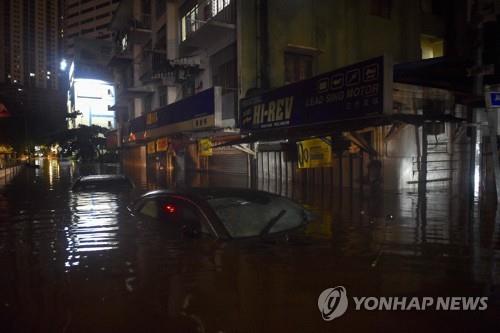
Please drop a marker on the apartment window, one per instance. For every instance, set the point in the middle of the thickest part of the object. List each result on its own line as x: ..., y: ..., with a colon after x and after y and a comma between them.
x: 297, y: 66
x: 148, y: 102
x: 102, y: 5
x: 163, y: 96
x: 102, y: 16
x: 218, y: 6
x: 146, y: 6
x: 431, y: 47
x: 87, y: 20
x: 73, y: 5
x: 102, y: 26
x: 87, y: 10
x: 161, y: 38
x: 225, y: 76
x: 104, y: 36
x: 381, y: 8
x: 160, y: 7
x: 434, y: 7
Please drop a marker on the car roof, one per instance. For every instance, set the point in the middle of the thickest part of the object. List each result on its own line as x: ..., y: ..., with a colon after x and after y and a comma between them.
x: 214, y: 192
x: 97, y: 178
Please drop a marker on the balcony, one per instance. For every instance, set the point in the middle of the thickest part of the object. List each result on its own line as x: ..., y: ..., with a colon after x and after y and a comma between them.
x: 122, y: 52
x: 151, y: 64
x: 135, y: 25
x: 154, y: 66
x: 140, y: 29
x: 205, y: 23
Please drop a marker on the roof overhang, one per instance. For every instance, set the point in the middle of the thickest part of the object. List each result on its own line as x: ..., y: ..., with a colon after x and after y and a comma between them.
x: 442, y: 72
x: 336, y: 128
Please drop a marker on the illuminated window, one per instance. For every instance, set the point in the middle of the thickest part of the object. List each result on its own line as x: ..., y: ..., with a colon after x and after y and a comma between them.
x: 431, y: 47
x: 297, y: 67
x: 199, y: 14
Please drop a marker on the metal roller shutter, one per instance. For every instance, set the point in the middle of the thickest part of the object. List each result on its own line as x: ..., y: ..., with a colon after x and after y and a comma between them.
x: 230, y: 161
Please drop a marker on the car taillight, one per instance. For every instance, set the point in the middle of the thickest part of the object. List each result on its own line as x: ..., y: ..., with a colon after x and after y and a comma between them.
x: 170, y: 209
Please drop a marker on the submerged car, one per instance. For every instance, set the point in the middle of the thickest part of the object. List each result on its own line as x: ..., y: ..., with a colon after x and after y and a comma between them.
x: 222, y: 213
x: 107, y: 183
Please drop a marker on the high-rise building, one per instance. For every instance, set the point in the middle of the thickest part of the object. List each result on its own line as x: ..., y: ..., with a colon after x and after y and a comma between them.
x: 29, y: 42
x: 86, y: 18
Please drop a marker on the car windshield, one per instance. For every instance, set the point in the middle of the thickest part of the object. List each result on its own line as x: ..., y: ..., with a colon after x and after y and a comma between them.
x: 244, y: 217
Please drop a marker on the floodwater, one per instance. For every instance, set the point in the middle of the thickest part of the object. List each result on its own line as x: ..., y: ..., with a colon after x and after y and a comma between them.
x: 77, y: 262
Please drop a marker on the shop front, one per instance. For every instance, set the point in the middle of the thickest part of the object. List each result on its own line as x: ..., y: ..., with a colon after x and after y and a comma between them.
x: 173, y: 132
x: 351, y: 128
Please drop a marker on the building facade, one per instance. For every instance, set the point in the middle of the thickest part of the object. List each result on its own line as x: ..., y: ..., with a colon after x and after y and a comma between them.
x: 88, y: 19
x: 174, y: 91
x: 91, y: 93
x: 29, y: 42
x: 185, y: 77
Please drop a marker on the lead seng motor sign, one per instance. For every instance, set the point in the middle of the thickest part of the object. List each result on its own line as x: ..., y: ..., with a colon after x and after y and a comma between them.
x: 360, y: 90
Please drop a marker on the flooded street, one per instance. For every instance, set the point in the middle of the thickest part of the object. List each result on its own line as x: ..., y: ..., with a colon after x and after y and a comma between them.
x: 78, y: 262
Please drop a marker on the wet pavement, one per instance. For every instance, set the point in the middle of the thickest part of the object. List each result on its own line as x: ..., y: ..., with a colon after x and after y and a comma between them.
x: 77, y: 262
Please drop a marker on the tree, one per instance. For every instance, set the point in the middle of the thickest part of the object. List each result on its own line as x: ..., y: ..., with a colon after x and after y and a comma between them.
x: 84, y: 142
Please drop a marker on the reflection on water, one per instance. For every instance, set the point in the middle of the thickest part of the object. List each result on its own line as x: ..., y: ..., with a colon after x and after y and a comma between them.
x: 77, y: 262
x: 94, y: 223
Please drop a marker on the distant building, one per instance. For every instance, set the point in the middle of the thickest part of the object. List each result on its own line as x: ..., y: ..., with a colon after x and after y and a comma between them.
x: 29, y: 42
x: 91, y: 91
x: 89, y: 19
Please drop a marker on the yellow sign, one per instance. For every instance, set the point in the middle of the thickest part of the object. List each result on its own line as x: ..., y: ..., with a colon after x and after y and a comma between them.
x: 4, y: 149
x: 151, y: 147
x: 161, y: 144
x: 315, y: 153
x: 205, y: 147
x: 151, y: 118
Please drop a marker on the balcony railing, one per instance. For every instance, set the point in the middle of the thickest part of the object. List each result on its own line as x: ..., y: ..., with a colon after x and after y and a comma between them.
x: 153, y: 66
x: 222, y: 11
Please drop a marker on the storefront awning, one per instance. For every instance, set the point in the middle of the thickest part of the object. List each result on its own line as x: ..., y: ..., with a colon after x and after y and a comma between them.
x: 322, y: 130
x: 443, y: 72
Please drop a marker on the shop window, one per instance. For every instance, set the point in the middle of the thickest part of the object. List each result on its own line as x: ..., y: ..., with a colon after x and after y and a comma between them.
x: 297, y: 67
x: 431, y: 47
x: 381, y: 8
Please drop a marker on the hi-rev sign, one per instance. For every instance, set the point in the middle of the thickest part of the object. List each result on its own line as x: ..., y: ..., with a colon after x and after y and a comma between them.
x: 356, y: 91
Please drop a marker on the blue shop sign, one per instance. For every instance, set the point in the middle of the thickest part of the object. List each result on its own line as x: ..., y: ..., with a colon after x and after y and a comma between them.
x: 360, y: 90
x: 196, y: 106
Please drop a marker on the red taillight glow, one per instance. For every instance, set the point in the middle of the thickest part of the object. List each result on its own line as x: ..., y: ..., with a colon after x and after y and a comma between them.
x: 169, y: 208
